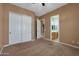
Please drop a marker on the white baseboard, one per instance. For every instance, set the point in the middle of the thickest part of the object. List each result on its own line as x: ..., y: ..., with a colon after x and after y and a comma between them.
x: 45, y: 39
x: 13, y: 44
x: 63, y: 43
x: 69, y: 45
x: 39, y: 37
x: 16, y: 43
x: 33, y: 39
x: 1, y: 50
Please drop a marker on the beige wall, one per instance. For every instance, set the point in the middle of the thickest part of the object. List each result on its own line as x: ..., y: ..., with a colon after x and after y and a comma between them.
x: 4, y: 21
x: 69, y: 23
x: 1, y: 27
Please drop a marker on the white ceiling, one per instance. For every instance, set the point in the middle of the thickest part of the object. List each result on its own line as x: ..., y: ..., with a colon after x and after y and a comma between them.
x: 38, y: 8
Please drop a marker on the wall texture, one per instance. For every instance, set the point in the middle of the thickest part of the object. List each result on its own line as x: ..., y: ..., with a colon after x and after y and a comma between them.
x: 69, y: 23
x: 4, y: 21
x: 1, y: 23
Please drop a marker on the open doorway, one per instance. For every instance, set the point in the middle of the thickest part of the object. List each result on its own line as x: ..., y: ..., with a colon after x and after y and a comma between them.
x: 39, y: 34
x: 54, y: 28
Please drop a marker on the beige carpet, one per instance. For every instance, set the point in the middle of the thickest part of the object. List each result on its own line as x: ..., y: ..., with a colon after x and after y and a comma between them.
x: 40, y: 47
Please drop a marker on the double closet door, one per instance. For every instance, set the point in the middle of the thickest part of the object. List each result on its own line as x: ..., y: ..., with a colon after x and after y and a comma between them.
x: 20, y: 28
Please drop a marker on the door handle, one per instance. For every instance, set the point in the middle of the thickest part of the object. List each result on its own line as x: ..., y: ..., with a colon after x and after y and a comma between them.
x: 9, y: 32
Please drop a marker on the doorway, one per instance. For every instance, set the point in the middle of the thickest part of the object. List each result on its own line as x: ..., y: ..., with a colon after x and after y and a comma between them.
x: 54, y: 28
x: 39, y: 34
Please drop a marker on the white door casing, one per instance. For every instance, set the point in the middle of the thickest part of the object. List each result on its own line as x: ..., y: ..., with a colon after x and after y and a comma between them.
x: 38, y: 29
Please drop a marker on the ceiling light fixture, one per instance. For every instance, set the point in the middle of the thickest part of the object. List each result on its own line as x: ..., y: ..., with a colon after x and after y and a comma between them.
x: 43, y: 4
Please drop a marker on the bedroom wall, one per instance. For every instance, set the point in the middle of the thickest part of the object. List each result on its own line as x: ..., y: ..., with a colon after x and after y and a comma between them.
x: 69, y: 23
x: 1, y: 27
x: 6, y: 8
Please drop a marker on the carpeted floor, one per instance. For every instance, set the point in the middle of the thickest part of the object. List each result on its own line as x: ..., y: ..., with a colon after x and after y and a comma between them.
x: 39, y: 47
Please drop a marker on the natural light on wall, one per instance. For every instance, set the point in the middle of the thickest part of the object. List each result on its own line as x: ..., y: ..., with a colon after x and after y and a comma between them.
x: 55, y: 23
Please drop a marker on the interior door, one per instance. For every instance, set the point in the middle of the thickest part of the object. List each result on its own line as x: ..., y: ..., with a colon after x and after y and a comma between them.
x: 14, y: 28
x: 54, y: 35
x: 26, y: 28
x: 29, y: 24
x: 20, y: 28
x: 38, y: 28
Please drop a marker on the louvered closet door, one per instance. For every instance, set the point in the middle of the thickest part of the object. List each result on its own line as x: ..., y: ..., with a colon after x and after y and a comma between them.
x: 20, y: 28
x: 14, y: 28
x: 26, y: 28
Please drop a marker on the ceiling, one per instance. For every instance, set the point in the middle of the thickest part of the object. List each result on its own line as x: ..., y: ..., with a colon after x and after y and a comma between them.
x: 38, y: 8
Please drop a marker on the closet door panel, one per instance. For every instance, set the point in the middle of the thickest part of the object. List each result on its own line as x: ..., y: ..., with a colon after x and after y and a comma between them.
x: 14, y: 28
x: 26, y: 36
x: 29, y: 27
x: 24, y: 28
x: 19, y: 29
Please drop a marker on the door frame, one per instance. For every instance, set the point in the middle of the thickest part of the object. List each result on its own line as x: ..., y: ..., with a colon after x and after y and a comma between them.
x: 51, y: 28
x: 40, y: 28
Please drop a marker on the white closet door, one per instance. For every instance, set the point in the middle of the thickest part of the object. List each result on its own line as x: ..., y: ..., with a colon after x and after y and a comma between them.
x: 20, y: 28
x: 14, y: 28
x: 29, y: 28
x: 26, y: 28
x: 38, y: 28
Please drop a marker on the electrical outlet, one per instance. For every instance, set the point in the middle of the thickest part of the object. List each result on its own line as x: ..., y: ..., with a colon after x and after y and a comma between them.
x: 73, y: 41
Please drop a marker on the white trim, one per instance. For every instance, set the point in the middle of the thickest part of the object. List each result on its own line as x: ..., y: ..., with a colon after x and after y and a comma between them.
x: 33, y: 40
x: 63, y: 43
x: 51, y: 28
x: 68, y: 44
x: 1, y: 50
x: 13, y: 44
x: 39, y: 33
